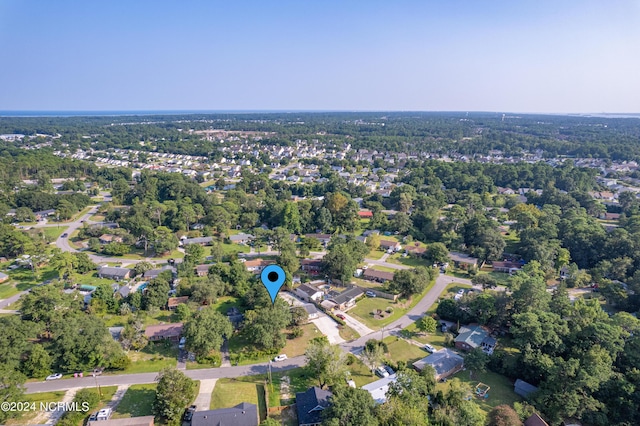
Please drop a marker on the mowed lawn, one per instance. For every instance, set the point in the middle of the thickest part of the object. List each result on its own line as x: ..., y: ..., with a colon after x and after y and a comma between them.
x: 501, y: 391
x: 137, y: 401
x: 231, y: 392
x: 364, y: 309
x: 401, y: 350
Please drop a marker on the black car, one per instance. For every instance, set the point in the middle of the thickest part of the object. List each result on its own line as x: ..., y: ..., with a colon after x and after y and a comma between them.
x: 64, y: 235
x: 188, y: 415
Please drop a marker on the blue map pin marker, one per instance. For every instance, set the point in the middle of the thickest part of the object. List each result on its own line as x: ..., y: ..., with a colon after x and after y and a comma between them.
x: 272, y: 278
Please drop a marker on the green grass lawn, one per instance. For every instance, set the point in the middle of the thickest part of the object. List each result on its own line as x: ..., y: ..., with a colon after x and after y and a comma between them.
x: 412, y: 261
x: 230, y: 392
x: 154, y: 357
x: 512, y: 240
x: 383, y: 268
x: 500, y: 277
x: 347, y: 333
x: 24, y: 279
x: 364, y: 308
x: 97, y: 217
x: 375, y: 254
x: 240, y: 346
x: 501, y: 391
x: 223, y: 304
x: 137, y: 401
x: 7, y: 289
x: 229, y: 249
x: 401, y: 350
x: 361, y: 374
x: 90, y: 278
x: 53, y: 233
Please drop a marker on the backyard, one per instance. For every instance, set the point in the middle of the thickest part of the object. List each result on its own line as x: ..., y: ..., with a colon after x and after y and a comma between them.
x: 500, y: 392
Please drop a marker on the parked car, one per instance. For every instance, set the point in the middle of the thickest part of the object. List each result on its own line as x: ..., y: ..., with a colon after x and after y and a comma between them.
x: 98, y: 371
x: 280, y: 357
x: 429, y: 348
x: 389, y: 370
x: 183, y: 341
x: 342, y: 317
x: 370, y: 294
x: 64, y: 235
x: 382, y: 372
x: 55, y: 376
x: 188, y: 414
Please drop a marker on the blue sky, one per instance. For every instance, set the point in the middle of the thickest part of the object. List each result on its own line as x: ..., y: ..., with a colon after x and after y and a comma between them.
x: 457, y: 55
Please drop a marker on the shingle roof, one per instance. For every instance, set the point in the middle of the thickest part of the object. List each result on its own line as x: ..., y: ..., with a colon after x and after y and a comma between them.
x: 442, y: 361
x: 163, y: 331
x: 114, y: 271
x: 309, y: 290
x: 243, y: 414
x: 310, y: 404
x: 379, y: 388
x: 347, y: 295
x: 197, y: 240
x: 472, y: 335
x: 375, y: 274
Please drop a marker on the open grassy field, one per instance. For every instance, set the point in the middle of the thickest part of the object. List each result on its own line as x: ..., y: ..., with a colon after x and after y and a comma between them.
x: 154, y: 357
x: 138, y: 401
x: 54, y: 232
x: 375, y: 254
x: 239, y: 345
x: 364, y: 308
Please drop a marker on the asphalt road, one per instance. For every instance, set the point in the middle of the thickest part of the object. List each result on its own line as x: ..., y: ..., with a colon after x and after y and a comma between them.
x: 248, y: 370
x: 132, y: 379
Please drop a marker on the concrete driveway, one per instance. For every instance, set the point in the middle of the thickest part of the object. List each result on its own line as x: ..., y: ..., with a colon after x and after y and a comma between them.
x: 362, y: 329
x: 329, y: 328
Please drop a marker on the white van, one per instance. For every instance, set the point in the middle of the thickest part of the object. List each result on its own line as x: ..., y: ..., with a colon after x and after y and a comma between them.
x: 104, y: 414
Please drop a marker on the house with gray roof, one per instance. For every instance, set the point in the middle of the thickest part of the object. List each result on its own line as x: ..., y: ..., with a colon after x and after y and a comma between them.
x: 379, y: 388
x: 347, y: 298
x: 445, y: 362
x: 474, y: 336
x: 310, y: 405
x: 114, y: 273
x: 241, y: 238
x: 203, y: 241
x: 243, y: 414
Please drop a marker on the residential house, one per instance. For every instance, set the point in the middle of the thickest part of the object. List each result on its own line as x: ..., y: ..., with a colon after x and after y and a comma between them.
x: 379, y: 388
x: 116, y: 332
x: 444, y: 362
x: 415, y: 250
x: 507, y: 267
x: 203, y: 241
x: 153, y: 273
x: 312, y: 311
x: 308, y: 293
x: 312, y: 266
x: 129, y: 421
x: 325, y: 239
x: 379, y: 276
x: 347, y: 298
x: 164, y: 332
x: 474, y: 336
x: 365, y: 214
x: 310, y: 404
x: 463, y: 261
x: 523, y: 388
x: 535, y: 420
x: 202, y: 270
x: 390, y: 245
x: 173, y: 302
x: 114, y: 273
x: 44, y: 213
x: 243, y: 414
x: 241, y: 238
x: 257, y: 265
x: 109, y: 238
x: 123, y: 291
x: 3, y: 277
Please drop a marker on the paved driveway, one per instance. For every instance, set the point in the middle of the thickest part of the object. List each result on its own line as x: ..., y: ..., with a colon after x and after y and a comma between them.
x: 362, y: 329
x: 329, y: 328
